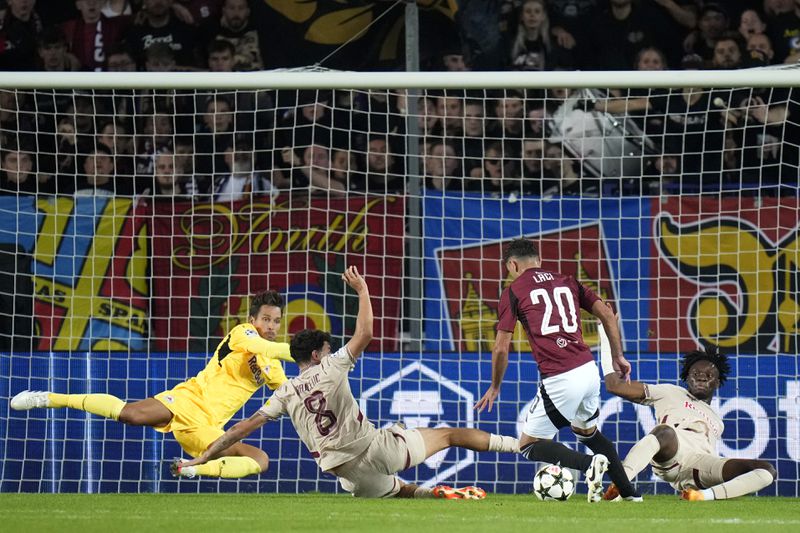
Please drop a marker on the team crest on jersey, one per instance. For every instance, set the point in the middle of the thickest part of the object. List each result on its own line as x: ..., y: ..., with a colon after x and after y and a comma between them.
x: 473, y: 277
x: 561, y: 342
x: 251, y: 332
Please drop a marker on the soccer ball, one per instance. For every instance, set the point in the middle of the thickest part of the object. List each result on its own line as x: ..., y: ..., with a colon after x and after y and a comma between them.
x: 552, y: 482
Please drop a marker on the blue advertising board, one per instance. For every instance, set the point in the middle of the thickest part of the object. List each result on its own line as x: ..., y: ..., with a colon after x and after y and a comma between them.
x: 70, y: 451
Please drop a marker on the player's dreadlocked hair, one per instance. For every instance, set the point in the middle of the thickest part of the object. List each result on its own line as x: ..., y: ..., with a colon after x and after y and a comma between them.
x: 711, y: 355
x: 272, y: 298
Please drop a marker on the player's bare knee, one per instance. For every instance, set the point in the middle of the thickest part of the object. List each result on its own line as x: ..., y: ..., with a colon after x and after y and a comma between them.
x: 664, y: 433
x: 131, y: 416
x: 263, y: 462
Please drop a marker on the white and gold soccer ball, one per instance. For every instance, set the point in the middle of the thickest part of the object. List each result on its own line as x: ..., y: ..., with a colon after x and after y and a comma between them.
x: 552, y: 482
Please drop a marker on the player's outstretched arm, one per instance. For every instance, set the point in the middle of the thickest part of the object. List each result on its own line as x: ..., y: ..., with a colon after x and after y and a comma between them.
x: 362, y: 335
x: 615, y: 383
x: 610, y: 322
x: 236, y: 433
x: 502, y: 344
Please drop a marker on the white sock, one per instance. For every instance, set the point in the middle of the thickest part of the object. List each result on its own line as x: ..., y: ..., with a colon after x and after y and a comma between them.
x: 501, y: 443
x: 708, y: 494
x: 747, y: 483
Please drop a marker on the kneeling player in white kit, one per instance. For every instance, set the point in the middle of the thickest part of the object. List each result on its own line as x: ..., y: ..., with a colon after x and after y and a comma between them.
x: 331, y: 425
x: 682, y: 447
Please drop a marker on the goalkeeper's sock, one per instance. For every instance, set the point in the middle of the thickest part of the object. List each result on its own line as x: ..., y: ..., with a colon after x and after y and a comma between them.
x: 229, y: 467
x: 104, y: 405
x: 550, y: 451
x: 640, y: 455
x: 502, y: 443
x: 748, y: 483
x: 598, y: 443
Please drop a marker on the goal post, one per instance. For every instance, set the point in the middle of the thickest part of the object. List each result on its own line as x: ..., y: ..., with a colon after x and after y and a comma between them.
x: 140, y: 211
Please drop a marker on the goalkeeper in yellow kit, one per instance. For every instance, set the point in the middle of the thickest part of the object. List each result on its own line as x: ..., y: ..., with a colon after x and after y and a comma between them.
x: 196, y: 410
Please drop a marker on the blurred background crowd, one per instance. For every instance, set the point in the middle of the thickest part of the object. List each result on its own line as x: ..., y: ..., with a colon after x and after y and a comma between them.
x: 224, y: 145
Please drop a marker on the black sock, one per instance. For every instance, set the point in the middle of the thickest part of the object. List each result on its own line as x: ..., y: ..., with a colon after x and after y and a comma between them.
x: 550, y: 451
x: 598, y: 443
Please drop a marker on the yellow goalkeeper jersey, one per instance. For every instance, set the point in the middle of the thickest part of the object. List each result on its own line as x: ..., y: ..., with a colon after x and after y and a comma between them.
x: 241, y: 364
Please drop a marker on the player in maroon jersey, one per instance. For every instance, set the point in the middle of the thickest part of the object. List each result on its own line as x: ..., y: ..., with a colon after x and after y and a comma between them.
x: 547, y: 304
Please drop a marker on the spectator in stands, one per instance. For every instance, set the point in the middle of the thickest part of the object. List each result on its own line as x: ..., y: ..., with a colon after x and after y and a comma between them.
x: 159, y: 25
x: 16, y: 119
x: 558, y: 166
x: 784, y: 31
x: 236, y: 27
x: 344, y: 167
x: 115, y: 137
x: 751, y: 23
x: 675, y: 19
x: 157, y: 131
x: 316, y: 168
x: 569, y: 19
x: 66, y: 150
x: 159, y: 57
x: 221, y: 56
x: 167, y: 183
x: 451, y: 113
x: 89, y: 36
x: 116, y: 8
x: 442, y: 166
x: 496, y: 175
x: 532, y: 174
x: 120, y: 59
x: 380, y: 176
x: 727, y: 52
x: 453, y: 60
x: 212, y: 135
x: 16, y: 172
x: 759, y: 50
x: 20, y: 26
x: 199, y: 13
x: 532, y: 47
x: 53, y: 53
x: 617, y: 34
x: 650, y: 58
x: 536, y: 115
x: 510, y: 124
x: 712, y: 24
x: 239, y: 179
x: 98, y: 177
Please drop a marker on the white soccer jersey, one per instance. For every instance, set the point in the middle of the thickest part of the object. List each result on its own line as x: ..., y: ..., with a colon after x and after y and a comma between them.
x: 324, y: 412
x: 676, y: 407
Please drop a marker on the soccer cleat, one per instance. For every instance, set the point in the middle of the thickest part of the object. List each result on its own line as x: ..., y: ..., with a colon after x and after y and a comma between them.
x: 692, y: 495
x: 612, y: 495
x: 594, y: 478
x: 177, y: 469
x: 29, y: 400
x: 467, y: 493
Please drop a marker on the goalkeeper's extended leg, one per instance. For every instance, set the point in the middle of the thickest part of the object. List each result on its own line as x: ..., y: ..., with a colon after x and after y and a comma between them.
x: 149, y: 412
x: 243, y: 460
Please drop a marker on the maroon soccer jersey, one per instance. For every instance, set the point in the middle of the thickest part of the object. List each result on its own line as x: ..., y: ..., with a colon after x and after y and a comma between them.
x: 548, y: 304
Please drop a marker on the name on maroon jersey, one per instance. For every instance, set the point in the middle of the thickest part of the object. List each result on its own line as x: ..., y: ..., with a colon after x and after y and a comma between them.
x: 541, y: 277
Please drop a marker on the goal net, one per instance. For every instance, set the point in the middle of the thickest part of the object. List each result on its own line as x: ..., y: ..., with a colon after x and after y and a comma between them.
x: 139, y: 216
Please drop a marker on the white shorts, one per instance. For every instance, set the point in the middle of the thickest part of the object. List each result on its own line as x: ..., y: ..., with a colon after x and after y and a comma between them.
x: 692, y: 467
x: 371, y: 474
x: 568, y: 399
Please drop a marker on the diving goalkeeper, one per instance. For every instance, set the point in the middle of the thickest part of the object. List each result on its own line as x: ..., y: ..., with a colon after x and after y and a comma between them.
x: 196, y: 410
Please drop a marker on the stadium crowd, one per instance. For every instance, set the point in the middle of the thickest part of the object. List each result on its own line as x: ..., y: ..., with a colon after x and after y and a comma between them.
x: 224, y: 145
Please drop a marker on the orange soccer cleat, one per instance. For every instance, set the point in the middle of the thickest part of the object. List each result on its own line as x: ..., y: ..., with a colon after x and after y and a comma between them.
x: 611, y: 493
x: 467, y: 493
x: 692, y: 495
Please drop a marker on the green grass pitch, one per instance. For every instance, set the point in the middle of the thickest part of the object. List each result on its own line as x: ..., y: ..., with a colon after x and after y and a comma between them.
x: 319, y: 513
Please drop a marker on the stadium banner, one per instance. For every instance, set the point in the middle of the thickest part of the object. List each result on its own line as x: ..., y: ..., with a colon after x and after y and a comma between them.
x: 64, y: 450
x: 81, y: 271
x: 737, y: 257
x: 670, y: 266
x: 208, y: 258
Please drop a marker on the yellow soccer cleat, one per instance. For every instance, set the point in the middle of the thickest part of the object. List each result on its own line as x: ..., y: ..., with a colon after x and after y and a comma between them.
x: 467, y: 493
x: 692, y: 495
